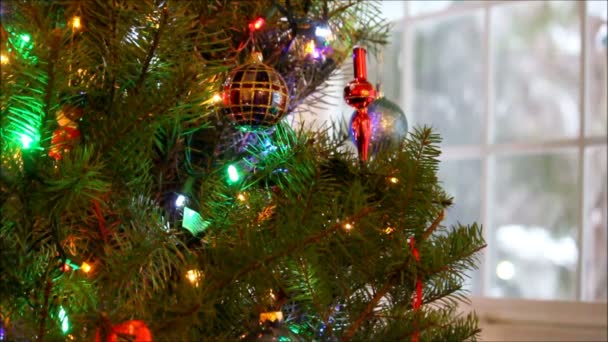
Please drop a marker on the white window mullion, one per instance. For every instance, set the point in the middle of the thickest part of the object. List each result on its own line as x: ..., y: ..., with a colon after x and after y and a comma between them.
x: 486, y: 187
x: 526, y: 147
x: 581, y: 149
x: 406, y: 77
x: 465, y: 7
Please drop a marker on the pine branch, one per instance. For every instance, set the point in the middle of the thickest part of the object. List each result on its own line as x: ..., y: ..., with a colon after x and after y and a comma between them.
x: 457, y: 259
x: 102, y: 226
x: 55, y: 40
x: 364, y: 315
x: 45, y: 309
x: 449, y: 327
x: 152, y: 48
x: 311, y: 289
x: 296, y: 246
x: 433, y: 226
x: 268, y: 260
x: 338, y: 10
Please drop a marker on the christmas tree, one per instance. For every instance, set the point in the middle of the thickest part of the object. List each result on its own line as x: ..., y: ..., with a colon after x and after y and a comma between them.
x: 151, y: 191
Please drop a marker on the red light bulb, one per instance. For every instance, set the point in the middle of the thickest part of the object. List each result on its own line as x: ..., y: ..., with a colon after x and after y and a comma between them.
x: 257, y: 24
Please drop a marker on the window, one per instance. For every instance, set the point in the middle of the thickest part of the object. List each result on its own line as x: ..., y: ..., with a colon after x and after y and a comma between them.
x: 517, y: 89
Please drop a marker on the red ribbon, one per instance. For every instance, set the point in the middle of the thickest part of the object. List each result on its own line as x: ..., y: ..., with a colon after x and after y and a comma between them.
x: 417, y: 301
x: 101, y: 221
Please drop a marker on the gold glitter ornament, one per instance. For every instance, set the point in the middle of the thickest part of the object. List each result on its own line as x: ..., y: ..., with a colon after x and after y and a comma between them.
x: 255, y: 95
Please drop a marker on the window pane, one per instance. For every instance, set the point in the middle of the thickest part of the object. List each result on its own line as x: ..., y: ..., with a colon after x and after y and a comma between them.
x: 461, y: 179
x: 447, y: 71
x: 393, y: 10
x: 536, y: 51
x: 597, y: 41
x: 430, y: 6
x: 595, y: 234
x: 533, y: 217
x: 391, y: 67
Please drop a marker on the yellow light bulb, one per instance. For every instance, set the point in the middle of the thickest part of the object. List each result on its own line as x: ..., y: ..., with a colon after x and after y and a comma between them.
x: 389, y: 230
x: 310, y: 47
x: 216, y: 97
x: 241, y: 197
x: 4, y: 59
x: 76, y: 22
x: 348, y: 226
x: 85, y: 267
x: 193, y: 276
x: 394, y: 180
x: 272, y: 316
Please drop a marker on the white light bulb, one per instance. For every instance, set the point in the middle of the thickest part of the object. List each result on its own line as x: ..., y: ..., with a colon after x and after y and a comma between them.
x: 322, y: 31
x: 180, y: 201
x: 505, y: 270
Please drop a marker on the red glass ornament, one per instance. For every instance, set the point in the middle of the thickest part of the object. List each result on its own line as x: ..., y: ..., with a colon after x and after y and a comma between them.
x: 388, y: 125
x: 133, y: 331
x: 359, y: 93
x: 64, y: 139
x: 361, y: 127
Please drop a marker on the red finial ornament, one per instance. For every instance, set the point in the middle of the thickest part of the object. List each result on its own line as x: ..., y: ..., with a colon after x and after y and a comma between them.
x: 359, y: 93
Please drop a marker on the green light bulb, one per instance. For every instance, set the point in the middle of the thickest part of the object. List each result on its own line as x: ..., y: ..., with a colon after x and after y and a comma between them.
x: 294, y: 328
x: 63, y: 318
x: 26, y: 141
x: 233, y: 174
x: 26, y: 37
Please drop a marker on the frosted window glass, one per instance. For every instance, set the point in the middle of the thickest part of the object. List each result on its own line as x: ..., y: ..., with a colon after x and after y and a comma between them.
x: 447, y: 88
x: 536, y: 70
x: 460, y: 179
x: 597, y: 40
x: 533, y: 221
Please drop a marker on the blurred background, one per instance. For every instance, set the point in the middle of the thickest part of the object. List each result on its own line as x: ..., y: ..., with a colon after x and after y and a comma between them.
x: 518, y: 91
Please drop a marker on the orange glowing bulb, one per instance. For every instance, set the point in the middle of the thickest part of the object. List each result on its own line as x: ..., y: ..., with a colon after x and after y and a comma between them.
x: 85, y: 267
x: 193, y: 276
x: 76, y: 22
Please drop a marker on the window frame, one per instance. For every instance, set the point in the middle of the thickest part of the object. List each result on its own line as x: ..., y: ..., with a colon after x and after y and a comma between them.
x: 486, y: 151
